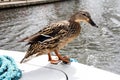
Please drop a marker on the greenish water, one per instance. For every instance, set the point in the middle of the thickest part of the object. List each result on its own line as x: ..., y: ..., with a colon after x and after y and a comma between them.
x: 99, y: 47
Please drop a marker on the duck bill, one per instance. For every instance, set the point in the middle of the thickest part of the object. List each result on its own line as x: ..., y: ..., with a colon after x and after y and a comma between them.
x: 92, y: 23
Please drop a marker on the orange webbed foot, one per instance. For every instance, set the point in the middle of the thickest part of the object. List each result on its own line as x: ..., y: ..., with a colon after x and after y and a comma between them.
x: 54, y: 61
x: 66, y: 60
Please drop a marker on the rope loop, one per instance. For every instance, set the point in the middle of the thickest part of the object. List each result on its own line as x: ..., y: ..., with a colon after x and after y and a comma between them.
x: 8, y: 69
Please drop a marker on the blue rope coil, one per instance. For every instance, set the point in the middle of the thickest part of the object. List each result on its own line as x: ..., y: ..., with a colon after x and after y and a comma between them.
x: 8, y: 69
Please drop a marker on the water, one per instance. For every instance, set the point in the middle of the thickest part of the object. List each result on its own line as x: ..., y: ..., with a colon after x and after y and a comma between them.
x: 99, y: 47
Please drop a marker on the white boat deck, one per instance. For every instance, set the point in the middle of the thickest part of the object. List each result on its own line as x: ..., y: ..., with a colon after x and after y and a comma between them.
x: 40, y: 69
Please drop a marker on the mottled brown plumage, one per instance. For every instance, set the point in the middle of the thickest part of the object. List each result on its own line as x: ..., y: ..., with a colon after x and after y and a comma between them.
x: 55, y: 36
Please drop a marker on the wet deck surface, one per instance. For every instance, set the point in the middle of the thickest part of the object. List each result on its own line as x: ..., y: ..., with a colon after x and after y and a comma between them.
x: 98, y: 47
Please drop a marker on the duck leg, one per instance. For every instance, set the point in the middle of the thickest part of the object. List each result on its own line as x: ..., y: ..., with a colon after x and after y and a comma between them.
x: 52, y: 61
x: 65, y: 59
x: 49, y: 57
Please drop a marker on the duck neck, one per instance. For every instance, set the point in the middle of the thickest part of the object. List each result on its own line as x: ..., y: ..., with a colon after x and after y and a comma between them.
x: 72, y: 21
x: 75, y: 27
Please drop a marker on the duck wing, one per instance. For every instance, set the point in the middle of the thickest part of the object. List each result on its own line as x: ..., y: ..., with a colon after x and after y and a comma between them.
x: 51, y: 31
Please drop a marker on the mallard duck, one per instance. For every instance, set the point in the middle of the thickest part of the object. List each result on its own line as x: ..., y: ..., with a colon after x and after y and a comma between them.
x: 55, y: 36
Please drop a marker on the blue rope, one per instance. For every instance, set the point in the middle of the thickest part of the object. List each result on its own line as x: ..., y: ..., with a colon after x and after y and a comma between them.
x: 8, y: 69
x: 73, y: 60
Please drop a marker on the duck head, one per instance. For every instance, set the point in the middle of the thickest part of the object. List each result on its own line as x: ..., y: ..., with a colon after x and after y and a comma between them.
x: 83, y: 16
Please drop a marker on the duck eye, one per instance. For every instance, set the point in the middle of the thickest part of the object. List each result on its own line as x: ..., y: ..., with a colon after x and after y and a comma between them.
x: 84, y: 14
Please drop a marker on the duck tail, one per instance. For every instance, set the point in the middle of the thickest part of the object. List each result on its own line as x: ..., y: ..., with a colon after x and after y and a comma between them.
x: 23, y: 60
x: 23, y: 40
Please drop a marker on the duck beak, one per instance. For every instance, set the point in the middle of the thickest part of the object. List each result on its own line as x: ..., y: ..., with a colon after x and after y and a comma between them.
x: 92, y: 23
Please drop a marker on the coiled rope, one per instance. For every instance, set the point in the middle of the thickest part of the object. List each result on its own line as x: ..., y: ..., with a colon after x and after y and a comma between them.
x: 8, y: 69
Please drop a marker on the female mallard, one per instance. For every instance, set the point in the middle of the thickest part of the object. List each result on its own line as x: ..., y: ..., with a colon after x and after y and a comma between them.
x: 55, y: 36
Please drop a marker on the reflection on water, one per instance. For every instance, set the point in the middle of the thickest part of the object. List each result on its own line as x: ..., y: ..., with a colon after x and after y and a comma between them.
x: 98, y: 47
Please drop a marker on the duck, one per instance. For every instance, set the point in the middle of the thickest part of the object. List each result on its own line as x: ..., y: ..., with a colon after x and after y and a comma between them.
x: 55, y: 36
